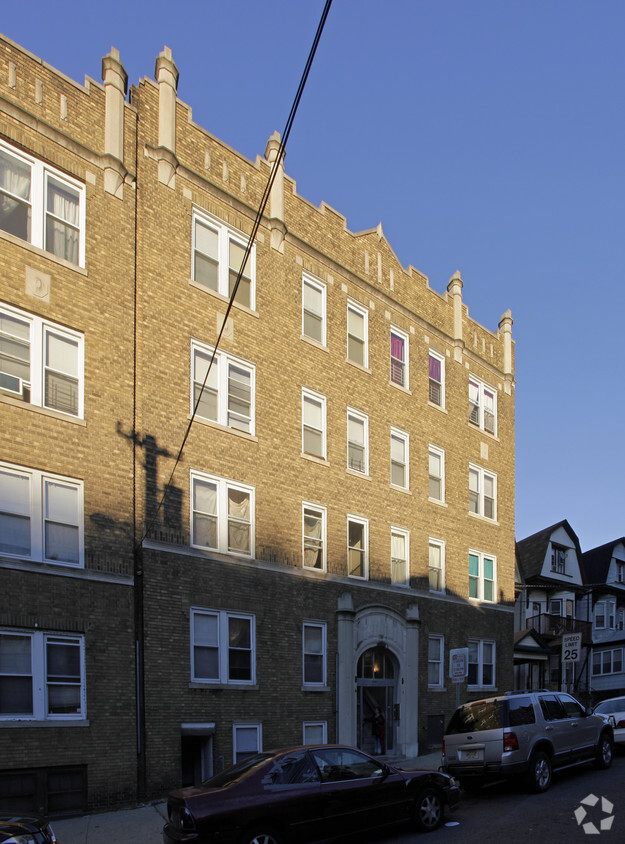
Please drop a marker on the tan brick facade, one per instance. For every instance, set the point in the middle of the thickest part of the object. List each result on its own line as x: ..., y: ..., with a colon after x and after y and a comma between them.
x: 142, y: 309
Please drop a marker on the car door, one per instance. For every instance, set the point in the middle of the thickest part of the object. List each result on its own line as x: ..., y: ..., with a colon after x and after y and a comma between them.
x: 557, y: 728
x: 584, y: 729
x: 292, y: 794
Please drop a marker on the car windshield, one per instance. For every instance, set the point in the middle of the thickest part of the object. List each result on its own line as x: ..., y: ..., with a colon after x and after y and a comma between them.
x: 610, y: 706
x: 481, y: 715
x: 238, y: 771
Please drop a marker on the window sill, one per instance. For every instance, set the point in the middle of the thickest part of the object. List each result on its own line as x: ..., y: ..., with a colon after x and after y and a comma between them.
x: 224, y: 299
x: 484, y: 519
x: 400, y: 387
x: 477, y: 429
x: 403, y: 489
x: 36, y: 250
x: 356, y: 474
x: 322, y: 461
x: 312, y: 568
x: 306, y: 688
x: 438, y: 407
x: 437, y: 592
x: 225, y: 428
x: 437, y: 689
x: 32, y: 722
x: 358, y: 366
x: 438, y: 502
x: 44, y: 411
x: 196, y: 684
x: 315, y: 343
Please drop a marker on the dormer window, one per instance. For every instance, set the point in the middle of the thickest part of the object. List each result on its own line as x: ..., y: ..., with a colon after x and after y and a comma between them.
x: 558, y: 559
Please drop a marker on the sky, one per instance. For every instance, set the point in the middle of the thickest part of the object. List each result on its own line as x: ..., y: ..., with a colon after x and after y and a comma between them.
x: 487, y: 136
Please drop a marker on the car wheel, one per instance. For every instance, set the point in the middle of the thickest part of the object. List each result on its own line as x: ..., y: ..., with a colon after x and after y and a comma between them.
x: 603, y: 759
x: 261, y: 835
x: 428, y: 810
x: 539, y: 774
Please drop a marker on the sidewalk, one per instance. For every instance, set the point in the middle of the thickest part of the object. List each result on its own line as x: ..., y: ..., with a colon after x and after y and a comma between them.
x: 144, y: 825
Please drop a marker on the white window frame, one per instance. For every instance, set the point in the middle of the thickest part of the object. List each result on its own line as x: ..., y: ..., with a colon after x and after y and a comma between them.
x: 618, y: 652
x: 355, y: 308
x: 439, y: 663
x: 478, y: 414
x: 320, y: 288
x: 322, y: 627
x: 404, y: 438
x: 39, y: 640
x: 320, y: 401
x: 40, y: 176
x: 480, y: 579
x: 321, y: 513
x: 359, y: 418
x: 32, y: 391
x: 225, y: 235
x: 441, y: 359
x: 219, y: 380
x: 478, y: 496
x: 439, y: 544
x: 605, y: 609
x: 397, y: 563
x: 38, y: 484
x: 480, y: 643
x: 364, y: 523
x: 222, y: 645
x: 438, y: 453
x: 237, y: 728
x: 397, y: 364
x: 223, y: 485
x: 314, y: 725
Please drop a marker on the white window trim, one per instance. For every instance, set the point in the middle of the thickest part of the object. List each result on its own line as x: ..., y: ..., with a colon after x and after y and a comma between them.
x: 311, y: 281
x: 405, y: 385
x: 609, y: 614
x: 439, y: 543
x: 483, y: 473
x: 360, y: 417
x: 223, y: 485
x: 439, y: 452
x: 322, y: 512
x: 482, y: 386
x: 38, y: 640
x: 365, y: 525
x: 481, y: 579
x: 320, y: 625
x: 223, y: 362
x: 321, y: 400
x: 441, y: 358
x: 225, y: 234
x: 313, y: 725
x: 480, y: 684
x: 39, y: 328
x: 39, y: 181
x: 398, y: 531
x: 600, y: 652
x: 246, y: 725
x: 359, y: 309
x: 405, y: 438
x: 37, y: 481
x: 441, y: 661
x: 223, y: 647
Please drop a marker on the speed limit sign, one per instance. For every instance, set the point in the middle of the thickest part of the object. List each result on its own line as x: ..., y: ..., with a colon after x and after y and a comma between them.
x: 571, y: 647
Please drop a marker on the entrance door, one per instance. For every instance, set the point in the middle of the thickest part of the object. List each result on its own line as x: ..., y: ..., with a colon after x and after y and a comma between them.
x: 196, y: 759
x: 376, y: 696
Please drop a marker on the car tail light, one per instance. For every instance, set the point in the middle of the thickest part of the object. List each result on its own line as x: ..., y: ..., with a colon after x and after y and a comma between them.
x: 510, y: 742
x: 181, y: 818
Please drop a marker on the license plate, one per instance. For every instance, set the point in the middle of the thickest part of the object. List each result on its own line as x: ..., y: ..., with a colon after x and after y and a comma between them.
x: 470, y: 755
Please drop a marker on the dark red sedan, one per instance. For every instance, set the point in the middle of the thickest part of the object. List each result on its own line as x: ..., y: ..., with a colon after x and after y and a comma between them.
x: 306, y: 794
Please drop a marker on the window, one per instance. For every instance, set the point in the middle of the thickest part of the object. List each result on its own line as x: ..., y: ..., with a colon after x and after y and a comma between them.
x: 313, y: 424
x: 558, y: 559
x: 482, y: 405
x: 399, y: 458
x: 481, y: 663
x: 315, y: 732
x: 436, y: 550
x: 41, y: 516
x: 481, y: 576
x: 314, y: 537
x: 357, y: 441
x: 40, y: 362
x: 620, y: 572
x: 399, y: 555
x: 604, y: 615
x: 399, y: 357
x: 607, y: 662
x: 437, y: 474
x: 437, y: 379
x: 222, y: 515
x: 247, y: 740
x: 314, y: 309
x: 436, y: 645
x: 42, y: 676
x: 314, y: 653
x: 482, y: 493
x: 222, y: 647
x: 228, y: 395
x: 357, y: 547
x: 356, y: 334
x: 218, y: 254
x: 41, y: 206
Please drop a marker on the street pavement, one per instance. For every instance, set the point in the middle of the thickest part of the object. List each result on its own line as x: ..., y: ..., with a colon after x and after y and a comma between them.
x: 144, y: 824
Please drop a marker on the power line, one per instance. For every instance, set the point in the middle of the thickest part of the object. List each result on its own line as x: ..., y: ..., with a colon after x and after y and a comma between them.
x: 259, y: 215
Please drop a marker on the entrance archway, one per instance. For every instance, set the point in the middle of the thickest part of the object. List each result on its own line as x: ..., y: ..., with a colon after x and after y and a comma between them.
x: 376, y: 688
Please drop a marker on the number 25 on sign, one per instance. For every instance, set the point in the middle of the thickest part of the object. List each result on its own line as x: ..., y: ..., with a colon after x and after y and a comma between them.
x: 571, y: 647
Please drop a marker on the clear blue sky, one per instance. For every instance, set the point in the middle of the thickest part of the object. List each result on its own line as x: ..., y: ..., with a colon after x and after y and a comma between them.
x: 486, y: 135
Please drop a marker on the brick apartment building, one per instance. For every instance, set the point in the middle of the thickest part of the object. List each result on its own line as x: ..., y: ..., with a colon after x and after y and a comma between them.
x: 341, y: 515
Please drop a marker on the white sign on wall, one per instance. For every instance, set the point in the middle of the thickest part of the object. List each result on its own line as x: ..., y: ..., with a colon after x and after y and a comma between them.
x: 458, y: 664
x: 571, y: 647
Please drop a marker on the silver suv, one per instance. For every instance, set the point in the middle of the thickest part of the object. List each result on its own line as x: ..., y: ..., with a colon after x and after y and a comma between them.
x: 528, y: 733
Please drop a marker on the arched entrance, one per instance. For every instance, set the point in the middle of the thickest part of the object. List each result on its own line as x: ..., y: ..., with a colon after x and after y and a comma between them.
x: 376, y: 685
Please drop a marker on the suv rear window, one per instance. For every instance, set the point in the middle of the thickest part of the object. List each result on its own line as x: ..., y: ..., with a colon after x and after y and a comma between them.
x: 474, y: 717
